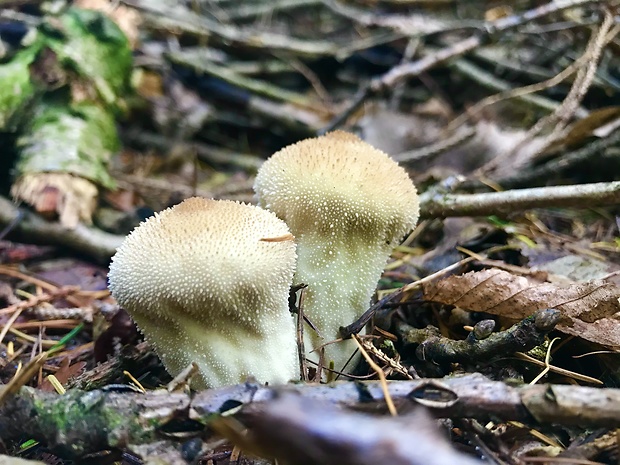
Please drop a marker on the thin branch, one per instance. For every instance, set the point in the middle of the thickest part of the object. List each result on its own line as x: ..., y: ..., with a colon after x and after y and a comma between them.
x: 586, y: 67
x: 570, y: 160
x: 410, y: 70
x: 522, y: 93
x: 31, y: 227
x: 186, y: 20
x: 39, y: 415
x: 438, y: 205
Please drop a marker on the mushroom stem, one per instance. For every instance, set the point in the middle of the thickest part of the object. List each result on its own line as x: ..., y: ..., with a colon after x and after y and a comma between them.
x: 338, y: 276
x: 225, y: 353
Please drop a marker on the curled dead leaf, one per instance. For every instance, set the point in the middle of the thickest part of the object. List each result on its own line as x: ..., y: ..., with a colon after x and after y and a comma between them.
x: 590, y: 309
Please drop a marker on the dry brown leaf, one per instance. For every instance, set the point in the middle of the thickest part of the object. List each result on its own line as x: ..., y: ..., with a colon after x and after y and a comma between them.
x: 66, y: 370
x: 585, y: 127
x: 590, y: 310
x: 74, y: 198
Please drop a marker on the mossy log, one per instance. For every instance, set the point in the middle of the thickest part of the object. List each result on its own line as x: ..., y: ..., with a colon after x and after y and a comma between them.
x: 80, y: 422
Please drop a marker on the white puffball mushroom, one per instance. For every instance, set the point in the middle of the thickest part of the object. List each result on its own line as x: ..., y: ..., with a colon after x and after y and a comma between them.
x: 348, y: 204
x: 208, y: 281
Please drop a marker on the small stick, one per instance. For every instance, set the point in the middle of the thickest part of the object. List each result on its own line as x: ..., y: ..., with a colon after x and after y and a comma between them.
x: 379, y: 371
x: 301, y: 350
x: 439, y: 205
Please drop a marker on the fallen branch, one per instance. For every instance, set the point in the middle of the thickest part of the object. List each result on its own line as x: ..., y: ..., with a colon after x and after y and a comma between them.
x: 443, y: 205
x: 481, y: 344
x: 303, y: 431
x: 414, y: 69
x: 31, y: 227
x: 96, y: 420
x: 101, y: 245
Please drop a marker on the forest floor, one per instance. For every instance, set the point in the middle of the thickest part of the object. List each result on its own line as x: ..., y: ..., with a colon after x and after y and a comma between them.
x: 499, y: 314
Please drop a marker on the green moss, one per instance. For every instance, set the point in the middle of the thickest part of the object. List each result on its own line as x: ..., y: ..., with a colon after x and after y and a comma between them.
x: 93, y: 45
x: 17, y: 91
x: 77, y: 139
x: 82, y: 421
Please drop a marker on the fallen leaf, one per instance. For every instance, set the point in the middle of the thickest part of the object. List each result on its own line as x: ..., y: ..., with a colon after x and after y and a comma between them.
x: 66, y: 370
x: 585, y: 127
x: 590, y: 309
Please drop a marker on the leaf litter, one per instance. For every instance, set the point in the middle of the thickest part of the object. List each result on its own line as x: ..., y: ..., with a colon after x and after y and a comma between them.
x: 590, y: 309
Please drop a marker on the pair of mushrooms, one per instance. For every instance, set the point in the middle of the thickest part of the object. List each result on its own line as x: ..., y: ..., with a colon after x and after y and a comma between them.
x: 207, y: 281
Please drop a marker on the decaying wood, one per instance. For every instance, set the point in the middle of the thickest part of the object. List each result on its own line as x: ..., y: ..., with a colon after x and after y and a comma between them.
x: 95, y: 420
x: 305, y: 432
x: 525, y: 335
x: 84, y: 239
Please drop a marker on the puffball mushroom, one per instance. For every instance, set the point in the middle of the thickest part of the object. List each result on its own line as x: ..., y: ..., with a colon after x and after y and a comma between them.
x: 208, y: 281
x: 348, y: 204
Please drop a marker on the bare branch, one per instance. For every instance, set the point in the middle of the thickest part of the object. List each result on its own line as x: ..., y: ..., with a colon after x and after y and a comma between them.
x: 440, y: 205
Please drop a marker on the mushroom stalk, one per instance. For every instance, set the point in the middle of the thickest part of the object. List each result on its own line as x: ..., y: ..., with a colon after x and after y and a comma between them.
x: 341, y: 280
x: 348, y: 204
x: 226, y: 353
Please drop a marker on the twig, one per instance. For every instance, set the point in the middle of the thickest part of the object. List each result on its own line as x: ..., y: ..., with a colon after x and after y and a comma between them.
x: 184, y: 19
x: 101, y: 245
x: 553, y: 168
x: 21, y: 378
x: 6, y: 326
x: 38, y: 299
x: 558, y: 120
x: 393, y: 365
x: 377, y: 369
x: 443, y: 144
x: 547, y: 362
x: 90, y: 241
x: 301, y: 350
x: 312, y: 78
x: 355, y: 327
x: 206, y: 152
x: 503, y: 203
x: 522, y: 93
x: 558, y: 370
x: 410, y: 24
x: 248, y: 10
x: 523, y: 336
x: 258, y: 87
x: 410, y: 70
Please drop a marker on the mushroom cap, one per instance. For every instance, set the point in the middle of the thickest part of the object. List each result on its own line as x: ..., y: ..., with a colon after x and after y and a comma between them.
x: 336, y: 184
x: 216, y: 267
